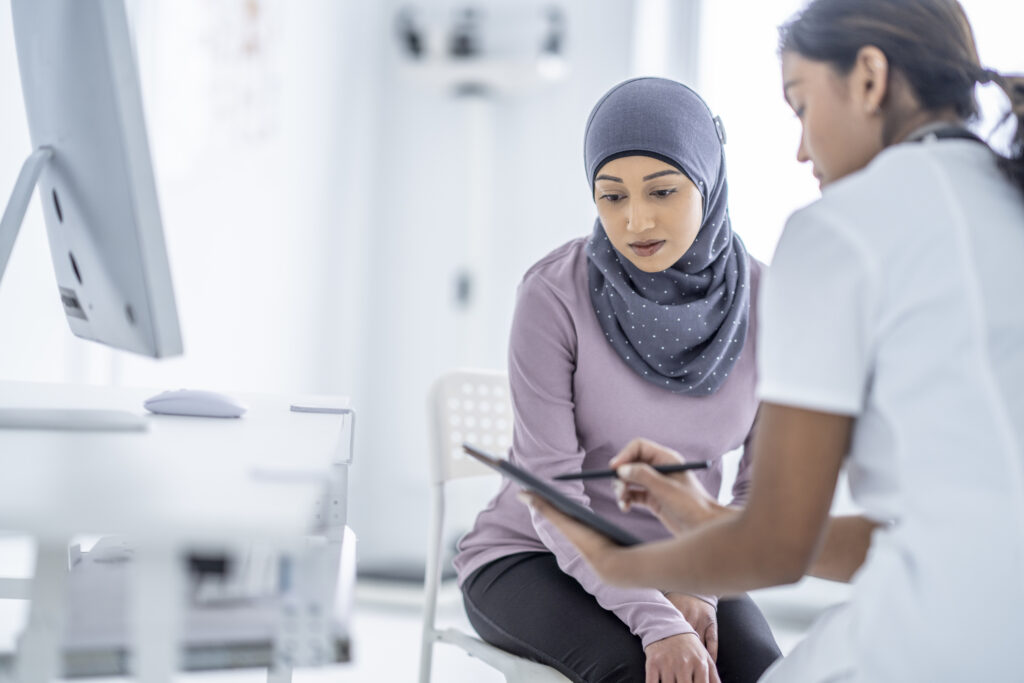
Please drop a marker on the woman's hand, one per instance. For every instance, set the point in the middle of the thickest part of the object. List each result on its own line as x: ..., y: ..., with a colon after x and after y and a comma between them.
x: 702, y: 616
x: 678, y: 659
x: 678, y: 500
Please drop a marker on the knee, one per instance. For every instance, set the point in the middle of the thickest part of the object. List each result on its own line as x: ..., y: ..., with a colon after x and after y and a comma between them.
x: 764, y: 654
x: 747, y: 664
x: 762, y: 649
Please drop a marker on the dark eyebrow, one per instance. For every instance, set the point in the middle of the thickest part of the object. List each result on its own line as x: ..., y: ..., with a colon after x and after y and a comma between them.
x: 645, y: 179
x: 667, y: 171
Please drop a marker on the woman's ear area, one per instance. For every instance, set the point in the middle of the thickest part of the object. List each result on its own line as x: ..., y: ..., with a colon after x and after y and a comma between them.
x: 870, y: 79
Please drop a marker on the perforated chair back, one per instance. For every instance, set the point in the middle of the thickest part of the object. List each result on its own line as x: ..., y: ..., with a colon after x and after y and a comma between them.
x: 471, y: 406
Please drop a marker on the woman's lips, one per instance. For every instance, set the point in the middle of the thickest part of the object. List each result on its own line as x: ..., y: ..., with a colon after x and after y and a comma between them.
x: 647, y: 248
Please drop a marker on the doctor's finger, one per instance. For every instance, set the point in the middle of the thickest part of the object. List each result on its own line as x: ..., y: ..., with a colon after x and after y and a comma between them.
x: 644, y: 450
x: 627, y: 495
x: 644, y: 478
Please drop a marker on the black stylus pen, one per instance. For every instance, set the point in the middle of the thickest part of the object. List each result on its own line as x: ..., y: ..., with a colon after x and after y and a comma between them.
x: 664, y: 469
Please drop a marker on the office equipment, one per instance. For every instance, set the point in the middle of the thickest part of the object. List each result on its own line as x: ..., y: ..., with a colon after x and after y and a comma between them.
x: 318, y: 404
x: 459, y: 397
x: 180, y: 487
x: 606, y: 474
x: 91, y: 163
x: 228, y: 622
x: 72, y: 419
x: 195, y: 403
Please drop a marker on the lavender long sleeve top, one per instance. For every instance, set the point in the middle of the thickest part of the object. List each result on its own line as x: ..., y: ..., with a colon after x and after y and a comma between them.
x: 576, y: 404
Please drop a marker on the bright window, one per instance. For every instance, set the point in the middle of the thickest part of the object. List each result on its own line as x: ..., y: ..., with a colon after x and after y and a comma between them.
x: 739, y: 77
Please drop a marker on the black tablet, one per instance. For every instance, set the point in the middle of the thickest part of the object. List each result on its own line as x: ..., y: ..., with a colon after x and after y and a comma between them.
x: 552, y: 495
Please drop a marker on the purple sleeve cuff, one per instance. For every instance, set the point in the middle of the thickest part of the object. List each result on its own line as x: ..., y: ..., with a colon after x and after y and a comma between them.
x: 654, y: 634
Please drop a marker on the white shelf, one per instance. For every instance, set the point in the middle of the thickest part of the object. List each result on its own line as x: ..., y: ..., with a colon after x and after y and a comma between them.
x: 490, y: 75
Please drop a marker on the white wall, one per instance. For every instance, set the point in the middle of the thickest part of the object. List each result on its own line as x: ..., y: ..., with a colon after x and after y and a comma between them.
x: 740, y: 79
x: 33, y: 334
x: 247, y: 143
x: 540, y: 200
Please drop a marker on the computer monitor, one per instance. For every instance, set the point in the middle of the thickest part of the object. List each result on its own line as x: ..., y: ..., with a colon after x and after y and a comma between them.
x: 91, y: 164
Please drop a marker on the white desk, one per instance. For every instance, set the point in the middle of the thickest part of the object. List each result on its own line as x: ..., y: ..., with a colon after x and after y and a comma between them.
x: 273, y: 476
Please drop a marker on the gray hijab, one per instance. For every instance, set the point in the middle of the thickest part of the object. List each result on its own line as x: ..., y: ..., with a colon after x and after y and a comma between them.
x: 682, y: 329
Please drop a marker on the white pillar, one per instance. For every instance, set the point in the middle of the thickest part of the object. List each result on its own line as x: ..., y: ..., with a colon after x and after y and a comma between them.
x: 666, y: 39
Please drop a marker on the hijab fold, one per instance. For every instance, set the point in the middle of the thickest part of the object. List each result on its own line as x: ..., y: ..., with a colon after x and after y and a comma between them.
x: 684, y: 328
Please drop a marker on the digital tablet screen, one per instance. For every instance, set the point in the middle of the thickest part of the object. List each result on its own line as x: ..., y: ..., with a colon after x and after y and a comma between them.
x: 552, y: 495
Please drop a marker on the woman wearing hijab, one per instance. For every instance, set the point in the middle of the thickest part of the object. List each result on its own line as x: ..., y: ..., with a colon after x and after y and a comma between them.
x: 646, y: 326
x: 892, y: 342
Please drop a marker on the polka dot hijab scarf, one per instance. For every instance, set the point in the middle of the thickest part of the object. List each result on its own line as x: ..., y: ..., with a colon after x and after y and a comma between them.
x: 682, y: 329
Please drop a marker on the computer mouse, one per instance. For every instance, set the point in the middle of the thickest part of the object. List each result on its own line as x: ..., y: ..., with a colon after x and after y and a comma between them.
x: 195, y: 403
x: 111, y: 550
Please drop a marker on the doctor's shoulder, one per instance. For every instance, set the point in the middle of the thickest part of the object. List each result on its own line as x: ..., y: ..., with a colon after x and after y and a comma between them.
x: 903, y: 179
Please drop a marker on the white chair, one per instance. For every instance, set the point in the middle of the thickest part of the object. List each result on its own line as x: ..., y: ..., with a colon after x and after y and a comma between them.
x: 472, y: 406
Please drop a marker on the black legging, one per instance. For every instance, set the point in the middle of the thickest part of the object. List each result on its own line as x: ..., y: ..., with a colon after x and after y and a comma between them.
x: 525, y: 604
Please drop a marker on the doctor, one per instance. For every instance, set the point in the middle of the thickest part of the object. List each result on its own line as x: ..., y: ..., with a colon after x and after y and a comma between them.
x: 892, y: 342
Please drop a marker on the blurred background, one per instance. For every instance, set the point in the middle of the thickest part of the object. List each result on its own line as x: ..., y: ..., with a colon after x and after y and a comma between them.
x: 351, y: 192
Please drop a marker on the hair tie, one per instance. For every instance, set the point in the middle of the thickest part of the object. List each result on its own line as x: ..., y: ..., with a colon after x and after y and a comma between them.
x: 988, y: 76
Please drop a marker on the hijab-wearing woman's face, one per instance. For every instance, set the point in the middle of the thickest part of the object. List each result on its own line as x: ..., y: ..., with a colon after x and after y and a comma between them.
x: 839, y: 114
x: 650, y: 210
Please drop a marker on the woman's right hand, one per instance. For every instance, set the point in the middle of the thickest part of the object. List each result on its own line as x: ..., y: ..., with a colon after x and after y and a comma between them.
x: 679, y: 659
x: 678, y: 500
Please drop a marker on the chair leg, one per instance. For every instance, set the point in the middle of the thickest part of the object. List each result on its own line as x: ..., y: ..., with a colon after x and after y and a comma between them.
x: 430, y: 584
x: 426, y: 660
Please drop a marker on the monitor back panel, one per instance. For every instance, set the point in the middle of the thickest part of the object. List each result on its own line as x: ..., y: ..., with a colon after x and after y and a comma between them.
x: 82, y: 97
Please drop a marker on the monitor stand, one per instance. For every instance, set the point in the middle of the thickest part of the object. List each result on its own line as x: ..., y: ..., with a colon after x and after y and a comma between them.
x: 47, y: 418
x: 10, y: 224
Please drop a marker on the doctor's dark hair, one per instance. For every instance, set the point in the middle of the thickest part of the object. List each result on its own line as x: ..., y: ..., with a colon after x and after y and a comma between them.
x: 929, y: 42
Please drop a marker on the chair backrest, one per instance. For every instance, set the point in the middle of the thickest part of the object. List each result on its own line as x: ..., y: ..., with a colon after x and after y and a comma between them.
x: 472, y: 406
